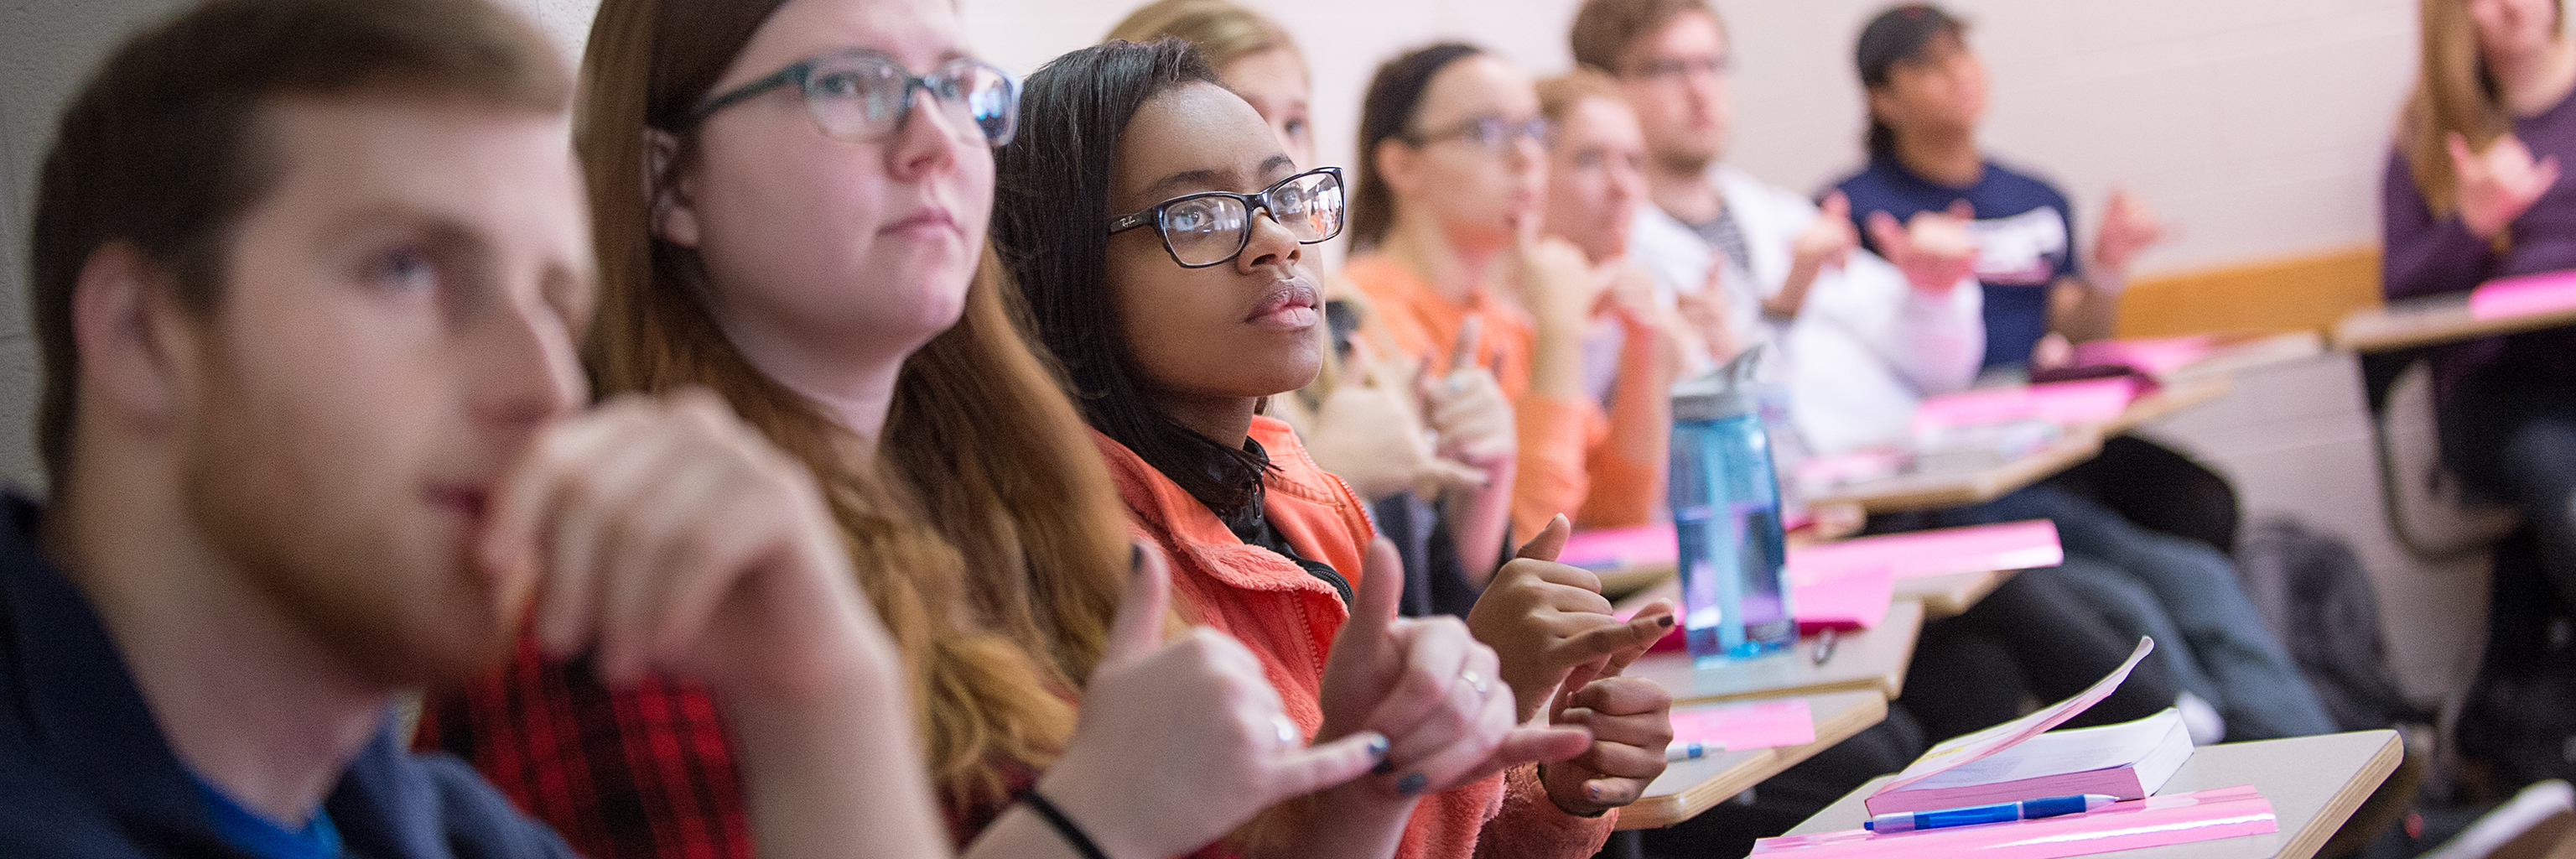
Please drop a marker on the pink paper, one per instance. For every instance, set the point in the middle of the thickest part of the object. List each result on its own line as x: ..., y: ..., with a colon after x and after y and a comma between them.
x: 2203, y: 815
x: 2528, y: 295
x: 2078, y: 402
x: 1855, y: 601
x: 1607, y: 548
x: 2154, y: 356
x: 1736, y: 727
x: 2007, y: 546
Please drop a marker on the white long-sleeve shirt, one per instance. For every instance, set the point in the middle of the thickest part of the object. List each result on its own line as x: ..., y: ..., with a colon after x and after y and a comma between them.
x: 1864, y: 347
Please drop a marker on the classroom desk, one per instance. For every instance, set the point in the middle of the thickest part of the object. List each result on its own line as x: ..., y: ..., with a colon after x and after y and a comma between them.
x: 2172, y: 397
x: 2313, y: 783
x: 1689, y: 787
x: 1872, y: 659
x: 2429, y: 321
x: 1935, y: 490
x: 1951, y: 594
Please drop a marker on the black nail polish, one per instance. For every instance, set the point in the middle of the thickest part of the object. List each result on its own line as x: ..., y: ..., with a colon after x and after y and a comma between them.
x: 1666, y: 622
x: 1377, y: 749
x: 1383, y: 767
x: 1135, y: 558
x: 1411, y: 784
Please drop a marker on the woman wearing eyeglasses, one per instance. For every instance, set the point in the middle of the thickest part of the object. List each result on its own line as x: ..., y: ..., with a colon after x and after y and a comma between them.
x: 1159, y: 235
x: 791, y: 201
x: 1445, y: 225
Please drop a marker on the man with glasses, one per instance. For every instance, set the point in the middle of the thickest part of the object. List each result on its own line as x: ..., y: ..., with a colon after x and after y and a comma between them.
x: 1864, y: 340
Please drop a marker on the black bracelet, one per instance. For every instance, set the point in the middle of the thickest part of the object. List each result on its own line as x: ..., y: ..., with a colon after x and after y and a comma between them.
x: 1064, y: 827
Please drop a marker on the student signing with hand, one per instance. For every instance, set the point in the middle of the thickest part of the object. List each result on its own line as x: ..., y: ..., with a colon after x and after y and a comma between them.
x: 1167, y: 273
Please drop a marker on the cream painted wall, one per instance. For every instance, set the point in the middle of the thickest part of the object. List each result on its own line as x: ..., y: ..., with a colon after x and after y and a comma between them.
x: 2256, y: 126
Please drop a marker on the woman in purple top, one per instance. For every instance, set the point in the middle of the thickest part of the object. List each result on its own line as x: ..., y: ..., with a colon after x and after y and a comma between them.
x: 2473, y: 192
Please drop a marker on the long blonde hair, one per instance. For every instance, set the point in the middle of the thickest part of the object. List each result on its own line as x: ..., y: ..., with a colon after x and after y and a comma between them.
x: 2454, y: 92
x: 985, y: 528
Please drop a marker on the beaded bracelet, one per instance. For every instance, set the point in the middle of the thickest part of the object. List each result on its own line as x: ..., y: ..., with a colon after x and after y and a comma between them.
x: 1064, y: 827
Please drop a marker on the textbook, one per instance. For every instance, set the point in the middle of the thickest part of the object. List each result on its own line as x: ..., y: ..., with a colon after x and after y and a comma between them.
x: 2129, y: 760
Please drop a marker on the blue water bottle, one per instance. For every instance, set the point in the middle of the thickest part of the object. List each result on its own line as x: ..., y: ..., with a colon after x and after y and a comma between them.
x: 1726, y: 512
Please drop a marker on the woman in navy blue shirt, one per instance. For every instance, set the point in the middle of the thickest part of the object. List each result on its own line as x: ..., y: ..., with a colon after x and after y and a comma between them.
x: 1926, y: 93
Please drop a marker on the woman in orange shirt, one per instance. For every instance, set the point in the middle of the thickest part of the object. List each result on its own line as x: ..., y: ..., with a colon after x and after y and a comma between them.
x: 1445, y: 220
x: 1156, y: 231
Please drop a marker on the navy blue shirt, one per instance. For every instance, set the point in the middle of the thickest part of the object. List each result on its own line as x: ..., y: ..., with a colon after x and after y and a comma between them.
x: 85, y: 772
x: 2025, y: 241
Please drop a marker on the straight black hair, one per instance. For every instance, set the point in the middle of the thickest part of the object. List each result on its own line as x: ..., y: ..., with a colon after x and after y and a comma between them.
x: 1386, y: 113
x: 1051, y: 226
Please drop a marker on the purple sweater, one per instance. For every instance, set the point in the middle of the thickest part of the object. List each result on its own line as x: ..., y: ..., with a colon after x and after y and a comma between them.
x: 2425, y: 256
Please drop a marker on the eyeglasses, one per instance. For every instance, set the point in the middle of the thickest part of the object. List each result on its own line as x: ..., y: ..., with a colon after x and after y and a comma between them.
x: 1678, y: 68
x: 865, y: 95
x: 1492, y: 133
x: 1212, y: 227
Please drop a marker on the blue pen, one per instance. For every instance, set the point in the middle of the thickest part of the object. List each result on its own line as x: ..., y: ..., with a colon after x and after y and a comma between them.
x: 2028, y: 809
x: 1679, y: 752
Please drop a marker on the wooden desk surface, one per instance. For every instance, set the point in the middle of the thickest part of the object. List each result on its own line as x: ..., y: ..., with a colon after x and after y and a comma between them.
x: 2172, y: 397
x: 2313, y: 783
x: 2428, y: 321
x: 1940, y: 489
x: 1690, y: 787
x: 1872, y: 659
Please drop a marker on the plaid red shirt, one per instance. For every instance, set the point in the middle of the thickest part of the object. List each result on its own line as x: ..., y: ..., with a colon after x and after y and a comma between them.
x: 644, y: 773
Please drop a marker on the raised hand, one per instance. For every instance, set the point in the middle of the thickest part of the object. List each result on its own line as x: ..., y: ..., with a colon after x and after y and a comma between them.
x: 1544, y: 619
x: 1827, y: 240
x: 1631, y: 720
x: 1934, y: 249
x: 1190, y: 723
x: 1466, y: 408
x: 1557, y: 285
x: 2128, y: 227
x: 664, y: 534
x: 1370, y: 432
x: 1705, y: 313
x: 1431, y: 688
x: 2499, y: 184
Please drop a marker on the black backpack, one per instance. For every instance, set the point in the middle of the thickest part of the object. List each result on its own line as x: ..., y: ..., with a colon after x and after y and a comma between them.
x: 2316, y: 596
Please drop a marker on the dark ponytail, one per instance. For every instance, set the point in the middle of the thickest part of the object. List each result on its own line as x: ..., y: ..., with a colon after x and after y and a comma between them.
x: 1386, y: 113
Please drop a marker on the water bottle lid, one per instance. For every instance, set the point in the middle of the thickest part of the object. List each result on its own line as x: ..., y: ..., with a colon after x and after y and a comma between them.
x: 1725, y: 392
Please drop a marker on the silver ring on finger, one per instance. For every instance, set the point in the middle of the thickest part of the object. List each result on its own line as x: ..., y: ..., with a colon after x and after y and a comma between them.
x: 1473, y: 679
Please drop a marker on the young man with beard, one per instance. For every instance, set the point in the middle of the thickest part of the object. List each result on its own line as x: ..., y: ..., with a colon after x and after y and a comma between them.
x: 309, y: 275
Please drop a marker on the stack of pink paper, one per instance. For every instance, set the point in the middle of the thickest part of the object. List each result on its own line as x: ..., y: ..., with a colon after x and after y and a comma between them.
x: 2154, y: 356
x: 2080, y: 402
x: 1736, y: 727
x: 2226, y: 812
x: 2528, y: 295
x: 2006, y: 546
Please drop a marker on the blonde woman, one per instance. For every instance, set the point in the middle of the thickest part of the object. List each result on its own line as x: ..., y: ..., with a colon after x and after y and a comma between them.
x: 2474, y: 191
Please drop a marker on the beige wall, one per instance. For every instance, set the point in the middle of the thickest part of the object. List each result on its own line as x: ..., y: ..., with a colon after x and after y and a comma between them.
x: 2257, y: 126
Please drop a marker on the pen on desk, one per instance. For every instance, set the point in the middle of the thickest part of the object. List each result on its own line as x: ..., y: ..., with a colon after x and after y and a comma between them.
x: 1825, y: 642
x: 2028, y: 809
x: 1678, y: 752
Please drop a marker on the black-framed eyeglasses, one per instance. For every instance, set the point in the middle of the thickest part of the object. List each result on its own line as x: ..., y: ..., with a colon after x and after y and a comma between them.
x: 1211, y: 228
x: 865, y: 95
x: 1492, y: 132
